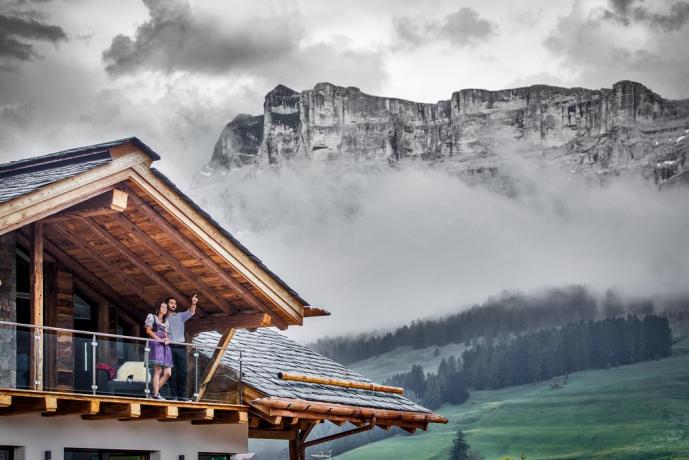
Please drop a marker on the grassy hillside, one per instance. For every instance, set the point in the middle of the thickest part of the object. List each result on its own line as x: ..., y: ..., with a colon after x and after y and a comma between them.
x: 402, y: 359
x: 640, y: 411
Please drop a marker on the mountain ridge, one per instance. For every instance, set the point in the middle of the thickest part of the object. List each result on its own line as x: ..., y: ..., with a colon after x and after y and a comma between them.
x: 626, y: 127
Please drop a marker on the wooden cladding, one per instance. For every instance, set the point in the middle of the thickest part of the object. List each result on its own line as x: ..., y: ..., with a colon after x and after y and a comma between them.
x: 340, y: 383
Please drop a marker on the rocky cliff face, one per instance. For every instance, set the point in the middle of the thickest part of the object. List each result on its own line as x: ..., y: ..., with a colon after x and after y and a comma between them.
x: 628, y: 127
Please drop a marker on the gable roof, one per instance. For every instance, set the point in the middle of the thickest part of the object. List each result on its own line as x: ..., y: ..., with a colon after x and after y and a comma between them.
x: 266, y: 352
x: 23, y: 177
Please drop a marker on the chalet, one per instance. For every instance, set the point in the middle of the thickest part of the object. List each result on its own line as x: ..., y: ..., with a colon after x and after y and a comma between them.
x: 90, y: 239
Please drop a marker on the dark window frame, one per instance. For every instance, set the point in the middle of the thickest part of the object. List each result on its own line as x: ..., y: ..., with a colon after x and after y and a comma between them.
x: 8, y: 450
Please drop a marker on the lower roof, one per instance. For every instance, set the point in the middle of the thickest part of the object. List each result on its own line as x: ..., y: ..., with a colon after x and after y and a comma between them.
x: 265, y: 353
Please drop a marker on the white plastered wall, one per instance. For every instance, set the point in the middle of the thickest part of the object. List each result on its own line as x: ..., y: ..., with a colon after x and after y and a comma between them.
x: 33, y: 434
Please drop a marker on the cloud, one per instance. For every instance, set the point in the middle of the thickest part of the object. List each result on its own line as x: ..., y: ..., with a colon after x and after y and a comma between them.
x: 594, y: 51
x: 17, y: 32
x: 179, y: 38
x: 364, y: 240
x: 464, y: 27
x: 633, y: 11
x: 176, y: 37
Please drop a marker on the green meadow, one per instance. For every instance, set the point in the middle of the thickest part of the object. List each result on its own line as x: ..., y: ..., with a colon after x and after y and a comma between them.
x: 640, y: 411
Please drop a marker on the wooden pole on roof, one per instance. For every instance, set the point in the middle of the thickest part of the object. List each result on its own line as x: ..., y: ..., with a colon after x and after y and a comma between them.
x: 36, y: 373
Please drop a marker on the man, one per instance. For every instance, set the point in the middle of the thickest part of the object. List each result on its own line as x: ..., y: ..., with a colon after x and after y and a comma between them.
x: 178, y: 380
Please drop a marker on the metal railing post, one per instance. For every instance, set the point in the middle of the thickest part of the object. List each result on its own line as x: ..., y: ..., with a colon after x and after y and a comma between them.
x: 196, y: 373
x: 147, y: 351
x: 37, y: 384
x: 241, y: 389
x: 94, y: 382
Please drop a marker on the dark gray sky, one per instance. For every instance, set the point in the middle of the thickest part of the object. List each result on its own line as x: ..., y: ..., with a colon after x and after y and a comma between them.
x: 174, y: 72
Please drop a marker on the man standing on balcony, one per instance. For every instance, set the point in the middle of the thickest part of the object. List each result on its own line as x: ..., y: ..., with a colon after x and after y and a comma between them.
x: 178, y: 380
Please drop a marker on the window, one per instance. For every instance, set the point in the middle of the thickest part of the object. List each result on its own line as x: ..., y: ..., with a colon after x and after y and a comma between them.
x: 6, y: 453
x: 206, y: 456
x: 86, y: 454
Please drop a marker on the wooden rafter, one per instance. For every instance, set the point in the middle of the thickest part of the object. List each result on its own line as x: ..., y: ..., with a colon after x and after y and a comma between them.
x: 238, y: 321
x: 98, y: 260
x: 203, y: 258
x: 183, y: 271
x: 214, y: 362
x: 110, y: 202
x: 156, y: 277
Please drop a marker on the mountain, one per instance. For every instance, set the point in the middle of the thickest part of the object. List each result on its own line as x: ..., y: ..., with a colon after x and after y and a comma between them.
x: 628, y: 127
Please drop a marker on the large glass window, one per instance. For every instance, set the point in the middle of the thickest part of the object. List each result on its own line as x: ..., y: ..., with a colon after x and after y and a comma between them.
x: 85, y: 454
x: 6, y: 453
x: 216, y: 456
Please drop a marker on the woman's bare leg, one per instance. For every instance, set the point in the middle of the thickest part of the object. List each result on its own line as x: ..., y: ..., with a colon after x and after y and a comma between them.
x: 167, y: 372
x: 155, y: 381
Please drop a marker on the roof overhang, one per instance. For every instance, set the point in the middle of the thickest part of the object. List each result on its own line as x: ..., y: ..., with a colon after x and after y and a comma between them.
x: 152, y: 204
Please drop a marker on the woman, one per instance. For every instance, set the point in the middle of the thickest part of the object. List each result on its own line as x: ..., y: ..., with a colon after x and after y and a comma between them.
x: 161, y: 354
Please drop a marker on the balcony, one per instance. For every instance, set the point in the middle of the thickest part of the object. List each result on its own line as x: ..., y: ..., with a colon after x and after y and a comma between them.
x: 58, y: 371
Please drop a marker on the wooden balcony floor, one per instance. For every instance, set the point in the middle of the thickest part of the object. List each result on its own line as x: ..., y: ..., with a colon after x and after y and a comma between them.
x: 99, y: 407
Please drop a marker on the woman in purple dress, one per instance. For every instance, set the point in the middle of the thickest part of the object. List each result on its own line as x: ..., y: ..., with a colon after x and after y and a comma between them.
x: 161, y: 354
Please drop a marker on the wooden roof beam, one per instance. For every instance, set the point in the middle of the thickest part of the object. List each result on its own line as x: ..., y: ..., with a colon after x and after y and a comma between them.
x: 238, y: 321
x: 84, y: 277
x: 136, y: 260
x: 214, y: 363
x: 203, y: 258
x: 108, y: 203
x: 114, y: 273
x: 183, y: 271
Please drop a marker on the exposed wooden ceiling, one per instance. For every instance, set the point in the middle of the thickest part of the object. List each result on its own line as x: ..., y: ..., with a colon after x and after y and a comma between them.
x: 129, y: 243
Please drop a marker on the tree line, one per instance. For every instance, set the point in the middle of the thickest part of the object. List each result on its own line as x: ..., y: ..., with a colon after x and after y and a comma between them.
x: 540, y: 355
x: 500, y: 316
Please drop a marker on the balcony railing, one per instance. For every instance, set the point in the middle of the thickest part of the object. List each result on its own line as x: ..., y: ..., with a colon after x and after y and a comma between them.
x: 73, y: 361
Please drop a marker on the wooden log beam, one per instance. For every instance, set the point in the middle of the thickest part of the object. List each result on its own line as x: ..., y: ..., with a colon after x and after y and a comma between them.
x: 340, y: 383
x: 158, y: 413
x: 156, y: 277
x: 116, y: 410
x: 116, y: 274
x: 183, y: 271
x: 201, y: 414
x: 214, y: 363
x: 225, y: 417
x: 36, y: 372
x: 238, y: 321
x: 23, y: 405
x: 106, y: 204
x: 5, y: 401
x: 203, y: 258
x: 69, y: 407
x: 255, y: 433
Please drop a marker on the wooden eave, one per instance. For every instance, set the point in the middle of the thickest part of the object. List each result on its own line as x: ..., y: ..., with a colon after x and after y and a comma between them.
x: 281, y: 418
x: 159, y: 245
x: 98, y: 407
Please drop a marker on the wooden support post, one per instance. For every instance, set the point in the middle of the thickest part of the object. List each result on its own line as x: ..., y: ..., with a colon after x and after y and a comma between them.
x: 103, y: 350
x: 36, y: 374
x: 214, y: 363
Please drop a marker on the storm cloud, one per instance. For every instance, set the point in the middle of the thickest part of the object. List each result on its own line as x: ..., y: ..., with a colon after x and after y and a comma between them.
x: 462, y: 28
x: 19, y: 31
x: 631, y: 11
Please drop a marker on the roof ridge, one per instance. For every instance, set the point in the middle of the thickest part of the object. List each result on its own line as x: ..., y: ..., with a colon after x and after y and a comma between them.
x: 71, y: 156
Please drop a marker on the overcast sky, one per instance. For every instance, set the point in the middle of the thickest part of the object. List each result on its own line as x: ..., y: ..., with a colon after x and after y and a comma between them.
x: 74, y: 72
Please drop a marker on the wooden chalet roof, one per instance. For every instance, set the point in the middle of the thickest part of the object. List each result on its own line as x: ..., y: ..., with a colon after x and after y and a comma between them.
x: 161, y: 244
x: 265, y: 353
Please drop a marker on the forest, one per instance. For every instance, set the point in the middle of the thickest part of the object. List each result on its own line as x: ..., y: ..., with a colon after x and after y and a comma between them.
x: 540, y: 355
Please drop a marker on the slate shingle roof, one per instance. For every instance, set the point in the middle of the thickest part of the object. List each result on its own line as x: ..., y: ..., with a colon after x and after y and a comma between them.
x: 266, y: 352
x: 22, y: 177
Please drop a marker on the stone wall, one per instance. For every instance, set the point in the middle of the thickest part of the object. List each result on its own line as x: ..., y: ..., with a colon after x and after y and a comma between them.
x: 8, y: 310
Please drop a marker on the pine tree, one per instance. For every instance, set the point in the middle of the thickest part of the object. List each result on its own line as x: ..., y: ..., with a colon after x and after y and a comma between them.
x: 460, y: 448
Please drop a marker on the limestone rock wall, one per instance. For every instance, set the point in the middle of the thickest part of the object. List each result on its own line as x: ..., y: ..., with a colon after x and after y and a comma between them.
x: 627, y: 126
